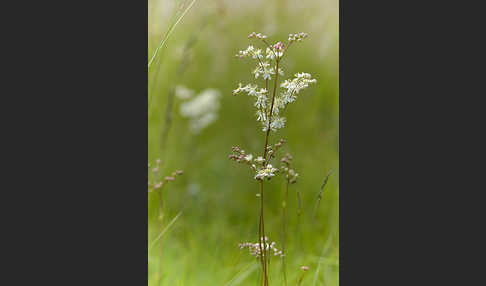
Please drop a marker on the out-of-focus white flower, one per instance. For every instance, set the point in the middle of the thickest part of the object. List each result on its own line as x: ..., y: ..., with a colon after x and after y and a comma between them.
x: 183, y: 92
x: 201, y: 110
x: 248, y: 157
x: 206, y: 101
x: 196, y: 125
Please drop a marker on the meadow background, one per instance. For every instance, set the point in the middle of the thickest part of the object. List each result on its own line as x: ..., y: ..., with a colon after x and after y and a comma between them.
x: 216, y: 198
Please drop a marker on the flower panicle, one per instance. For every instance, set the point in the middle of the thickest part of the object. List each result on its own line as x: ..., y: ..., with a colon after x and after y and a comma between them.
x: 255, y: 249
x: 287, y: 169
x: 268, y: 109
x: 156, y: 182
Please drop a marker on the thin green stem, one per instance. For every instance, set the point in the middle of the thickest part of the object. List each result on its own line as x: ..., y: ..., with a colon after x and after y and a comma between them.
x: 284, y: 231
x: 301, y: 278
x: 168, y: 118
x: 161, y: 216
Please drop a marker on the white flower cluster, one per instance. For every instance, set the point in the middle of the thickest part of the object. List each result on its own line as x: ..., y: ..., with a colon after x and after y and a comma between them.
x: 264, y: 69
x: 297, y: 37
x: 259, y: 164
x: 267, y: 172
x: 267, y: 247
x: 275, y: 51
x: 267, y: 113
x: 251, y: 52
x: 299, y: 82
x: 202, y: 110
x: 256, y: 35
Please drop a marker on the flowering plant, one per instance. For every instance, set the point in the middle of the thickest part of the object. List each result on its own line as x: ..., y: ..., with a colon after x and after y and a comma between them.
x: 269, y: 110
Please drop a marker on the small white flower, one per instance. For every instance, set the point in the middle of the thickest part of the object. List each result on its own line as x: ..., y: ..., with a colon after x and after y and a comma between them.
x: 268, y: 172
x: 257, y: 54
x: 259, y: 160
x: 261, y: 101
x: 238, y: 89
x: 261, y: 116
x: 248, y: 52
x: 264, y: 70
x: 297, y: 37
x: 277, y: 123
x: 287, y: 97
x: 251, y: 89
x: 265, y: 125
x: 270, y: 54
x: 248, y: 157
x: 299, y: 82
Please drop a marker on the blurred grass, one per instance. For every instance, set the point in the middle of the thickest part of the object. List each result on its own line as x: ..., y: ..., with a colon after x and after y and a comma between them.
x: 217, y: 196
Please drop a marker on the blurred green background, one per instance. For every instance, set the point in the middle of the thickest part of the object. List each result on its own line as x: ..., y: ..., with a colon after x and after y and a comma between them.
x: 217, y: 197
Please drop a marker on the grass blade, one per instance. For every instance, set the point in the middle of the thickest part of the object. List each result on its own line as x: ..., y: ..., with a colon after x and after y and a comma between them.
x: 242, y: 275
x: 164, y: 40
x: 165, y: 229
x: 319, y: 196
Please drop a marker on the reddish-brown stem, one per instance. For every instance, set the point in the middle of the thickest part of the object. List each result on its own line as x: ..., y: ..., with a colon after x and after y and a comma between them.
x: 261, y: 239
x: 262, y: 261
x: 271, y: 112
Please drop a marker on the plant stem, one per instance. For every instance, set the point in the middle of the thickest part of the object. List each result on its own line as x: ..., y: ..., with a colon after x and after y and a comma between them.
x: 301, y: 278
x: 161, y: 216
x: 162, y: 42
x: 261, y: 239
x: 284, y: 231
x: 168, y: 118
x: 260, y: 235
x: 271, y: 112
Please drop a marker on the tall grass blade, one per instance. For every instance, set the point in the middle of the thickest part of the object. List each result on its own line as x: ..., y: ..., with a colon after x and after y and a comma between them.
x: 319, y: 196
x: 165, y: 229
x: 242, y: 275
x: 164, y: 40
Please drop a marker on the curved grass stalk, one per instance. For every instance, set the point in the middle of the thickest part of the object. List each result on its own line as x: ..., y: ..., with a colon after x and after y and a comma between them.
x: 164, y: 40
x: 242, y: 275
x: 166, y: 228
